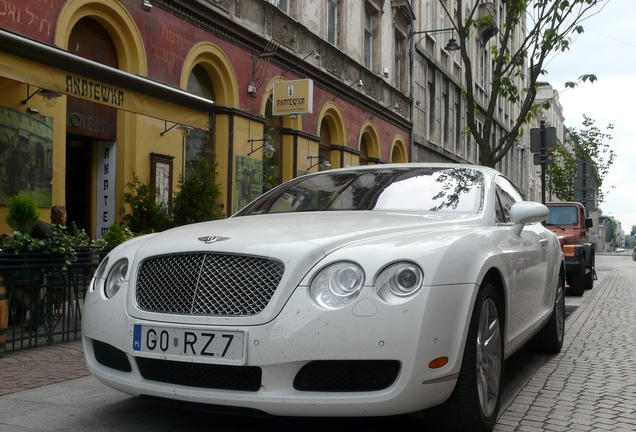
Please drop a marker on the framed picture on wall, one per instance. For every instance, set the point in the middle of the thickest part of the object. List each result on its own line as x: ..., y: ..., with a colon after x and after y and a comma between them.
x: 161, y: 174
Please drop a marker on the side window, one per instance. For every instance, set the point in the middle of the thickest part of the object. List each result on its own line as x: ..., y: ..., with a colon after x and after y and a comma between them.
x: 283, y: 5
x: 507, y: 195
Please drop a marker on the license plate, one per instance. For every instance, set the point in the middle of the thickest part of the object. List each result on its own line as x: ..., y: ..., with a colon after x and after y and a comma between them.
x: 165, y: 342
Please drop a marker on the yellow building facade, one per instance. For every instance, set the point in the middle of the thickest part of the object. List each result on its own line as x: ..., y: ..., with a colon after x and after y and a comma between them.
x: 96, y: 92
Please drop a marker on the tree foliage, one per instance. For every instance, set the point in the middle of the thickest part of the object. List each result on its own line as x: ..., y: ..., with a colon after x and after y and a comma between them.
x: 142, y: 214
x: 517, y: 64
x: 590, y: 144
x: 196, y: 200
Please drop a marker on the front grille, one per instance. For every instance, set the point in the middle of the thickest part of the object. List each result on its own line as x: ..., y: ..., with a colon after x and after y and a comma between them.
x: 347, y: 375
x: 207, y: 284
x: 110, y: 356
x: 223, y: 377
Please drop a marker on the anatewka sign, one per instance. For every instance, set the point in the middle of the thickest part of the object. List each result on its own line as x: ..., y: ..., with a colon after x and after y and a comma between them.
x: 293, y: 97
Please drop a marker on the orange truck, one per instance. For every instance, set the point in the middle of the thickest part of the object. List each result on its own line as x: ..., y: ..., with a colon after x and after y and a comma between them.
x: 569, y: 222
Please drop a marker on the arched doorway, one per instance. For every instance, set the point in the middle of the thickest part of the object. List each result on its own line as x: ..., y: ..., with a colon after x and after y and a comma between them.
x: 87, y: 123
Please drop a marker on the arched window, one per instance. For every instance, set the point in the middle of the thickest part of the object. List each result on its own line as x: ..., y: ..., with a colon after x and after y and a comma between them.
x: 364, y: 152
x: 199, y: 84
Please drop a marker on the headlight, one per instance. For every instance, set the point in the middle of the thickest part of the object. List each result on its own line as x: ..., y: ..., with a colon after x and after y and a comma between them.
x: 99, y: 274
x: 337, y: 285
x: 116, y: 278
x: 399, y: 281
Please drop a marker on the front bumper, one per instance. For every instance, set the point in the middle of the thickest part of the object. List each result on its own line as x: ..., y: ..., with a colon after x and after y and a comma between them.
x: 573, y: 264
x: 369, y: 333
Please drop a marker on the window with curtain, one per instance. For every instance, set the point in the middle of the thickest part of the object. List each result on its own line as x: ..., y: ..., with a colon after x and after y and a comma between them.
x: 283, y: 5
x: 368, y: 38
x: 332, y: 22
x: 399, y: 59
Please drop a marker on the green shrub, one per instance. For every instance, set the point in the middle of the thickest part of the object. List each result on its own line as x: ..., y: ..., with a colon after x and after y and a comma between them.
x: 23, y: 213
x: 141, y: 213
x: 116, y: 235
x: 196, y: 200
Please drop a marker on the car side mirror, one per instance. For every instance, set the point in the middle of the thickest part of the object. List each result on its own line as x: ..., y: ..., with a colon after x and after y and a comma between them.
x: 589, y: 223
x: 524, y: 212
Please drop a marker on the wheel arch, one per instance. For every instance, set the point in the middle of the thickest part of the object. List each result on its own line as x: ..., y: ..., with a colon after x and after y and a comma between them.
x: 495, y: 278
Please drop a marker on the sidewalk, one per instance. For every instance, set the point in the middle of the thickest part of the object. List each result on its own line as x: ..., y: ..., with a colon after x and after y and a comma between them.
x: 36, y: 367
x: 589, y: 386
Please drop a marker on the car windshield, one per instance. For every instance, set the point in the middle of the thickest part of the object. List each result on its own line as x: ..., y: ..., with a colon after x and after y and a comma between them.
x: 562, y: 216
x: 402, y: 189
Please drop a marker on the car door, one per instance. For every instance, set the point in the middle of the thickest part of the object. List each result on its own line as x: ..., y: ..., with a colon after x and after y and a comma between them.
x: 526, y: 265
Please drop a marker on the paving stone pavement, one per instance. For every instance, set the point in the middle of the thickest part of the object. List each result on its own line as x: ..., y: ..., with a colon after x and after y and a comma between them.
x: 44, y: 365
x: 589, y: 386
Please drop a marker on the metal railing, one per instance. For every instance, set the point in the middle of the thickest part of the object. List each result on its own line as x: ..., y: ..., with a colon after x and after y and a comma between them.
x: 45, y: 295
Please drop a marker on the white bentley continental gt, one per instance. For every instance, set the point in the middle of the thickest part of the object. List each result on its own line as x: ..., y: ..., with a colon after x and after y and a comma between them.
x: 366, y: 291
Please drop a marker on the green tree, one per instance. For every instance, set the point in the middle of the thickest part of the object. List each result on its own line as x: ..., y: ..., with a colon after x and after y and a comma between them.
x: 196, y: 200
x: 517, y: 62
x: 23, y: 213
x: 142, y: 214
x: 590, y: 144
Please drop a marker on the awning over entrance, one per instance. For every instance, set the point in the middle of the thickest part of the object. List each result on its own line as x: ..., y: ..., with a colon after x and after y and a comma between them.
x: 51, y: 68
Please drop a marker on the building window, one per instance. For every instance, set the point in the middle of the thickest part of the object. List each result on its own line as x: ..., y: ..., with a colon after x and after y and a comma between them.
x: 368, y: 38
x: 399, y: 59
x: 430, y: 14
x: 481, y: 65
x: 430, y: 132
x: 283, y: 5
x: 272, y: 166
x: 332, y: 22
x: 197, y: 143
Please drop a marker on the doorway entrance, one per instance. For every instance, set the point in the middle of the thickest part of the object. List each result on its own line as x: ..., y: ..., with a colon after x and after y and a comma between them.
x: 79, y: 163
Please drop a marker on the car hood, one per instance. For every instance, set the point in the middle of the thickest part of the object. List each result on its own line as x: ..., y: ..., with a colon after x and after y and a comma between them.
x: 299, y: 241
x: 279, y: 235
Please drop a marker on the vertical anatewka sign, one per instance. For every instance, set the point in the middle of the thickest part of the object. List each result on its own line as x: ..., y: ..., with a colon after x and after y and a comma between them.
x: 105, y: 192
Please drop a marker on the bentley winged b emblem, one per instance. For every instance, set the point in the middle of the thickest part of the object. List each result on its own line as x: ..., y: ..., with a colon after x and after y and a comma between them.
x: 212, y: 239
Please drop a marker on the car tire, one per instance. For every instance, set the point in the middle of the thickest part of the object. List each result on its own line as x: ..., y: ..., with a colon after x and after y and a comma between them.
x: 474, y: 404
x: 550, y: 337
x: 576, y: 280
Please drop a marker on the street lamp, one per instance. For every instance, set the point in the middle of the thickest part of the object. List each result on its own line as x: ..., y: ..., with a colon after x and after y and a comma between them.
x: 322, y: 162
x: 268, y: 148
x: 452, y: 44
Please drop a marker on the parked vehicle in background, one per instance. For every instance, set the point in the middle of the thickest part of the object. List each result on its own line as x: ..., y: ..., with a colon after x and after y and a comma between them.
x: 569, y: 222
x: 363, y: 291
x: 634, y: 253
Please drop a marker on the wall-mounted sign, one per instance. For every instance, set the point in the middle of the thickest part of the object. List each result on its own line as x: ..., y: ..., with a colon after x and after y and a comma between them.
x: 105, y: 192
x: 293, y: 97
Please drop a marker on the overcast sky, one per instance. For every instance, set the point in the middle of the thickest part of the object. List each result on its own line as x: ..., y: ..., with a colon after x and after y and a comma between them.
x: 607, y: 49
